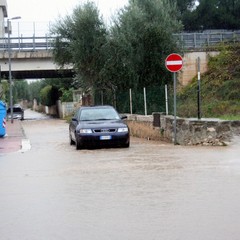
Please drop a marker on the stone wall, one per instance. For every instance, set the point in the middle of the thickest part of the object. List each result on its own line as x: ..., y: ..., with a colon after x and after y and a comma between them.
x: 213, y: 132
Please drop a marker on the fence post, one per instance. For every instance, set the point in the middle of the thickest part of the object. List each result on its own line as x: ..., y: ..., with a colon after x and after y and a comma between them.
x: 195, y: 40
x: 145, y: 100
x: 46, y: 39
x: 183, y: 44
x: 102, y: 97
x: 130, y: 96
x: 34, y: 45
x: 21, y: 42
x: 114, y: 98
x: 18, y: 38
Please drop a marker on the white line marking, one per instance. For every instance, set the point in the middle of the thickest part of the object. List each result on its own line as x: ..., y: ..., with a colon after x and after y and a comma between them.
x: 174, y: 62
x: 26, y: 146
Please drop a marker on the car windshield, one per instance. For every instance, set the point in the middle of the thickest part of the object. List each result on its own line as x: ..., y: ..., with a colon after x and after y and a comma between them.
x: 95, y: 114
x: 15, y: 109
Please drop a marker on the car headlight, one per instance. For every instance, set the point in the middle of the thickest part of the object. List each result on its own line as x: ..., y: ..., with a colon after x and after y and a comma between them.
x: 85, y: 131
x: 124, y: 129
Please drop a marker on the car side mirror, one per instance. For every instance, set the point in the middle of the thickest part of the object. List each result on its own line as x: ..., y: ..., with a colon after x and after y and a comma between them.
x: 74, y: 119
x: 123, y: 117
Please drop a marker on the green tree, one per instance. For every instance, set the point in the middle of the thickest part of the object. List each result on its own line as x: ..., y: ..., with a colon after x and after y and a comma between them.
x: 212, y: 14
x: 79, y: 41
x: 34, y: 90
x: 66, y: 95
x: 139, y: 42
x: 49, y: 95
x: 20, y: 91
x: 4, y: 88
x: 62, y: 86
x: 185, y: 5
x: 129, y: 54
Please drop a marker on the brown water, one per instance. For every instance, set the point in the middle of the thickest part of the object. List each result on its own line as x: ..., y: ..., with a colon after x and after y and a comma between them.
x: 150, y: 191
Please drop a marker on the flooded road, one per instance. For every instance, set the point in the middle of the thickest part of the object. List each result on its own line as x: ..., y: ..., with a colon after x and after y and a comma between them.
x: 150, y: 191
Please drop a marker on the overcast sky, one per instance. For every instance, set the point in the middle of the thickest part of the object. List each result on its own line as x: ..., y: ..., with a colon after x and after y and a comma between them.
x: 49, y: 10
x: 36, y: 14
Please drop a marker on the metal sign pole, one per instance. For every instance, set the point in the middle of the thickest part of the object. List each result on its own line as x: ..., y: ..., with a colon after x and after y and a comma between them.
x: 174, y: 63
x: 199, y: 89
x: 166, y: 97
x: 10, y: 71
x: 175, y: 108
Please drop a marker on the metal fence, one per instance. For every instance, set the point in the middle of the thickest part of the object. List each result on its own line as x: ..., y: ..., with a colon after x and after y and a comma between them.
x: 28, y: 28
x: 205, y: 39
x: 27, y: 31
x: 27, y: 43
x: 138, y: 101
x: 37, y: 36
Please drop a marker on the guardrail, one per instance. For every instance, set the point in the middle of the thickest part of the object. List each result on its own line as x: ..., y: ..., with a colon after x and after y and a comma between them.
x: 27, y: 43
x: 205, y: 39
x: 184, y: 40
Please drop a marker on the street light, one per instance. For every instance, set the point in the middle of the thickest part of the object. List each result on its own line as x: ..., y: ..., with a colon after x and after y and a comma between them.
x: 9, y: 64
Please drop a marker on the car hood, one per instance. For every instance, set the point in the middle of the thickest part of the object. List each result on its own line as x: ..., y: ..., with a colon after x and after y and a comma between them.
x: 102, y: 124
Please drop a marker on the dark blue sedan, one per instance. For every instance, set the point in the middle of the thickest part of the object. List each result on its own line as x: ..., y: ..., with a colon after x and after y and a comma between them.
x: 98, y: 126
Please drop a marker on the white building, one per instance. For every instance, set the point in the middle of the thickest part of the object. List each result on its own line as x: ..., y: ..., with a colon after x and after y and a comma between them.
x: 3, y: 14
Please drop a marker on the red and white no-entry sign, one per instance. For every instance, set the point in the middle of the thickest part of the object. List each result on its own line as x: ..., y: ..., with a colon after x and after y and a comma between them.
x: 174, y: 62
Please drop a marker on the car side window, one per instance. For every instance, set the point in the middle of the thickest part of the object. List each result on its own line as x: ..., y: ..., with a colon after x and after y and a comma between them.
x: 17, y: 109
x: 76, y: 114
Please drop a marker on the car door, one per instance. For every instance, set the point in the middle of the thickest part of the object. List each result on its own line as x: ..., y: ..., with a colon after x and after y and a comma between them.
x: 73, y: 124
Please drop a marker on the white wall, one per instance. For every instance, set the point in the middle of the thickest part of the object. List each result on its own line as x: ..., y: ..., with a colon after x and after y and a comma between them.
x: 3, y: 14
x: 189, y: 70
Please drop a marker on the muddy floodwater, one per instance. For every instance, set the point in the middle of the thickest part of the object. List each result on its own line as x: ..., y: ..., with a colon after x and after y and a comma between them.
x: 150, y: 191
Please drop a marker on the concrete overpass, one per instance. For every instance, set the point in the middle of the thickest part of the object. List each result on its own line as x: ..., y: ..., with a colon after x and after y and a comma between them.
x: 31, y: 57
x: 31, y: 65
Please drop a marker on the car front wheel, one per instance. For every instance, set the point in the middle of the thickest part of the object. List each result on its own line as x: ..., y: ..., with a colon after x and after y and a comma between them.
x: 78, y: 144
x: 126, y: 145
x: 70, y: 140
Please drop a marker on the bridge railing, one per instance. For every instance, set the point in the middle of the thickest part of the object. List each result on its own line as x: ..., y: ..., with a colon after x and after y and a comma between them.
x: 27, y: 43
x: 206, y: 39
x: 184, y: 40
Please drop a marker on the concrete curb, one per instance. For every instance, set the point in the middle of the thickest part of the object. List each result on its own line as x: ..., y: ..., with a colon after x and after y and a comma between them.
x: 15, y: 139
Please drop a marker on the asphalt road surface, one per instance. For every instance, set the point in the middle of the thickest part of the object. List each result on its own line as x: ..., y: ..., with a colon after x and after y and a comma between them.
x: 150, y: 191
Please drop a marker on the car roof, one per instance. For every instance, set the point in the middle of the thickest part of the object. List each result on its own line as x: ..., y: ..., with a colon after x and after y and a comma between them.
x: 96, y: 106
